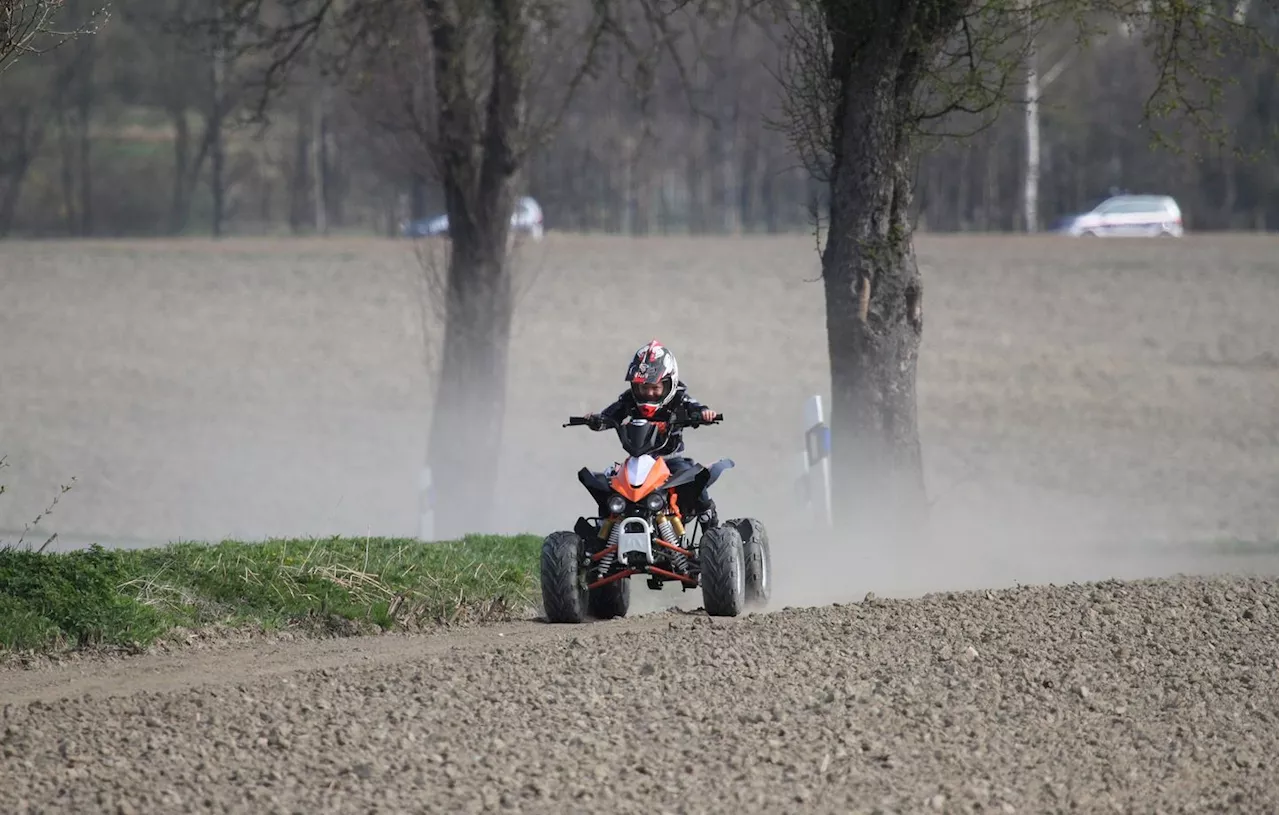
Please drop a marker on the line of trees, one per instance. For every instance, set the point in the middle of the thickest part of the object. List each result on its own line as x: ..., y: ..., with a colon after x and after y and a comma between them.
x: 141, y: 130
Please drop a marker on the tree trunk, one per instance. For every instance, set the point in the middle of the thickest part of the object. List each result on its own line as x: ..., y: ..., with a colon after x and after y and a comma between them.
x: 11, y: 190
x: 627, y: 196
x: 179, y: 206
x: 748, y: 170
x: 186, y: 168
x: 726, y: 131
x: 84, y: 109
x: 873, y: 292
x: 477, y: 170
x: 298, y: 180
x: 21, y: 146
x: 66, y: 170
x: 665, y: 203
x: 217, y: 69
x: 466, y: 428
x: 694, y: 214
x: 769, y: 193
x: 992, y: 206
x: 1230, y: 191
x: 216, y: 179
x: 1031, y: 179
x: 417, y: 197
x: 318, y: 196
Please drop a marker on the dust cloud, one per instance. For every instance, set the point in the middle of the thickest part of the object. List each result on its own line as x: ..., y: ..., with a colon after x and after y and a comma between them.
x: 1103, y: 412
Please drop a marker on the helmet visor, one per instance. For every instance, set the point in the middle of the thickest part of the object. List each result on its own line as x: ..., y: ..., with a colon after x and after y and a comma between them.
x: 647, y: 391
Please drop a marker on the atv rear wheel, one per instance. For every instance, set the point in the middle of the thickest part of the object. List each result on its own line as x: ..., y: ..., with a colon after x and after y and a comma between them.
x: 723, y: 579
x: 759, y: 563
x: 610, y: 600
x: 564, y: 591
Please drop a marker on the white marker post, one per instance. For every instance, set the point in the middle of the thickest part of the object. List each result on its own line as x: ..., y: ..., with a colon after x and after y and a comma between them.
x: 817, y: 459
x: 426, y: 506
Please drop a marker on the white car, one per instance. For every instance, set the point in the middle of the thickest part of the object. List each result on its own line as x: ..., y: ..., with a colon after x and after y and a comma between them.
x: 1126, y: 216
x: 526, y: 217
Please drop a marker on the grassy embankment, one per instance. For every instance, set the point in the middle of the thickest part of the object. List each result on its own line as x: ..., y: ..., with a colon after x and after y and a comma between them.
x: 133, y: 598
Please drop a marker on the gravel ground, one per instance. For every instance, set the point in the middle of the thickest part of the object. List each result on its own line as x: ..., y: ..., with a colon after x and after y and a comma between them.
x: 1153, y: 696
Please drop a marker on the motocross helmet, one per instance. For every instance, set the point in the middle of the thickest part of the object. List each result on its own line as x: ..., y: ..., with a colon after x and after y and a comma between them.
x: 653, y: 365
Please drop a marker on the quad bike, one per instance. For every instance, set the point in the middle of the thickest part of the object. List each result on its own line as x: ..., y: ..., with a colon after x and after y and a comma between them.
x: 640, y: 529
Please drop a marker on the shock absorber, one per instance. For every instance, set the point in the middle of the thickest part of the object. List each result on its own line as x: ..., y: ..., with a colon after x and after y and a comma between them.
x: 668, y: 533
x: 606, y: 562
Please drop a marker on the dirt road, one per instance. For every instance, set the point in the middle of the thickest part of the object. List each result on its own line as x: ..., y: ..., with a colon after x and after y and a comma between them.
x: 1156, y: 696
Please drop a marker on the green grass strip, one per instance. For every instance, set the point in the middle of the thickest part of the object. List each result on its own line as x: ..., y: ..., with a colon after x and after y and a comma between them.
x: 130, y: 598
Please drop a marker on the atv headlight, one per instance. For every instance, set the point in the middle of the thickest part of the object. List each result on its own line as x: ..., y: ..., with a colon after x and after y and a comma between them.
x: 616, y: 504
x: 655, y: 501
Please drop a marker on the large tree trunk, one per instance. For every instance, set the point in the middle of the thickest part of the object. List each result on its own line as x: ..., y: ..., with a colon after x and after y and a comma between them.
x: 466, y: 429
x: 873, y: 291
x: 477, y: 167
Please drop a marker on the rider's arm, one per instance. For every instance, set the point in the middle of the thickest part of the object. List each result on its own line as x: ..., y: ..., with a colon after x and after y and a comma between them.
x: 617, y: 411
x: 691, y: 404
x: 688, y: 402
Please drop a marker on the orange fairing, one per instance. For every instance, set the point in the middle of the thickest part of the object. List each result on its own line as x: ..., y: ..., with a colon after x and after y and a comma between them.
x: 658, y: 474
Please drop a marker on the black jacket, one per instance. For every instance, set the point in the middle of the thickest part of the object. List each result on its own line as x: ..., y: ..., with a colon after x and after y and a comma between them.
x: 625, y: 408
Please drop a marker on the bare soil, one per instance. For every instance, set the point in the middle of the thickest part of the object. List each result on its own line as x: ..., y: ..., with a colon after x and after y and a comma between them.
x: 1151, y: 696
x: 1090, y: 410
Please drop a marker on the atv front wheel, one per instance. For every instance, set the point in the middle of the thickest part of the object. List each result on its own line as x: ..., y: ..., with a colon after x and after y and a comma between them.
x: 759, y: 563
x: 610, y: 600
x: 723, y: 572
x: 564, y: 593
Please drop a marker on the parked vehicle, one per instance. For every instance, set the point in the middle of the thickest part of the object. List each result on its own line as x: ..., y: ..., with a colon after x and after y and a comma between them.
x: 1126, y: 216
x: 526, y: 217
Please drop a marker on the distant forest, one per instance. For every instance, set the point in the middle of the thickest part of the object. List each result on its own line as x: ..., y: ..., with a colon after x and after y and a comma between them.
x: 139, y: 129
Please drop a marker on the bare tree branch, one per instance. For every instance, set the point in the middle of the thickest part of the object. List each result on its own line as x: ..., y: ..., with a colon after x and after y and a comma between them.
x: 32, y: 27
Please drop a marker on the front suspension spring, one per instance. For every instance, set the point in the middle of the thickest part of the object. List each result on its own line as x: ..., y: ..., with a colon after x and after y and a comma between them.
x: 606, y: 562
x: 668, y: 533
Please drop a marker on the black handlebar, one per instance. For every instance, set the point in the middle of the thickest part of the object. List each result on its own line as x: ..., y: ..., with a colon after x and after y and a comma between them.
x: 678, y: 419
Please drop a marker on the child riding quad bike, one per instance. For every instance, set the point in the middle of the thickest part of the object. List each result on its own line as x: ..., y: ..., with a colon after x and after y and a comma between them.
x: 643, y: 506
x: 655, y: 391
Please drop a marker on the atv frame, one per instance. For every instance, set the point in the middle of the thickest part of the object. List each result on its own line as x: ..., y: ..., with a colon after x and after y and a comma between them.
x: 641, y: 528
